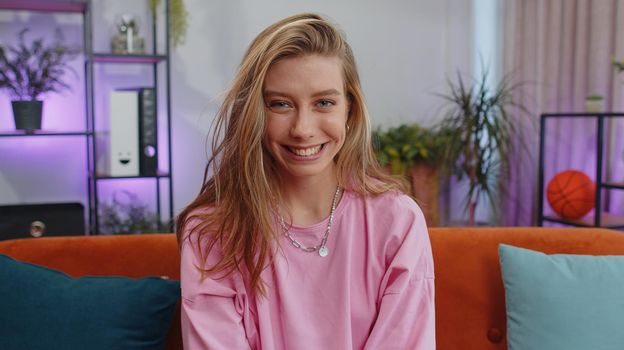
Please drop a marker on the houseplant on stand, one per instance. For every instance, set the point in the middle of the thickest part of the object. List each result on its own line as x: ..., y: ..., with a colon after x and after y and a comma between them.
x: 481, y: 134
x: 415, y: 152
x: 594, y: 104
x: 178, y: 19
x: 29, y: 70
x: 125, y: 213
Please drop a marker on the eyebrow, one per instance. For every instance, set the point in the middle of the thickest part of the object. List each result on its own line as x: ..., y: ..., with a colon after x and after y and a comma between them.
x: 316, y: 94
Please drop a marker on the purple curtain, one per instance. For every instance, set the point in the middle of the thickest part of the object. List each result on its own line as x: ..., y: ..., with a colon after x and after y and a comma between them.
x: 560, y: 51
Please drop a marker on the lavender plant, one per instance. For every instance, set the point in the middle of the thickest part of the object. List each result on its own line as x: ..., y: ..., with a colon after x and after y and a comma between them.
x: 31, y: 69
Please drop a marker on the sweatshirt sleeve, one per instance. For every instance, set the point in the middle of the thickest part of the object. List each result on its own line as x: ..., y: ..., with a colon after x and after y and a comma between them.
x: 406, y: 316
x: 215, y: 312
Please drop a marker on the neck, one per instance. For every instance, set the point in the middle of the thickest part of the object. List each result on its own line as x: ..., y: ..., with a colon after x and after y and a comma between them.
x: 308, y: 201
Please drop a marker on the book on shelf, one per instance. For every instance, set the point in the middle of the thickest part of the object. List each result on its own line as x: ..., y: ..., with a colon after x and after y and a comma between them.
x: 132, y: 139
x: 148, y: 132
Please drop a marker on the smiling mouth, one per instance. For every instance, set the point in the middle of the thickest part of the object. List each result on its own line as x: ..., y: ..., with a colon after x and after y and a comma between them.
x: 305, y: 152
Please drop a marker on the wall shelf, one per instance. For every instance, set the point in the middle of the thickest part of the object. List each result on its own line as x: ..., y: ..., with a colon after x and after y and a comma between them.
x: 22, y: 133
x: 139, y: 59
x: 66, y: 6
x: 614, y: 185
x: 155, y: 59
x: 108, y: 177
x: 605, y: 219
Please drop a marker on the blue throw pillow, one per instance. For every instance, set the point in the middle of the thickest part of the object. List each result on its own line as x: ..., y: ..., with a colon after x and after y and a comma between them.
x: 42, y: 308
x: 563, y: 301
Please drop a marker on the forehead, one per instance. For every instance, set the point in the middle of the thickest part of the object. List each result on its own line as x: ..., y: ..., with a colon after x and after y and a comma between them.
x: 307, y: 73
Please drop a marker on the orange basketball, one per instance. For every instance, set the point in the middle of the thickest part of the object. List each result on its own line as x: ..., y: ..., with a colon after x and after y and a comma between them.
x: 571, y: 194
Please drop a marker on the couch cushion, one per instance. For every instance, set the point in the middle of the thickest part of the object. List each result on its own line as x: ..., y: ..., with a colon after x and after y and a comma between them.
x: 470, y: 297
x: 133, y: 255
x: 47, y: 309
x: 563, y: 301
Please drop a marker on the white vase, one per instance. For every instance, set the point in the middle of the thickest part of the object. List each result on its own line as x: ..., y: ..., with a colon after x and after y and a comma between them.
x: 594, y: 106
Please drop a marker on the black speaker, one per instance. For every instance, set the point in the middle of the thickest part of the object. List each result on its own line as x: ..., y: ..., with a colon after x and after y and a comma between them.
x: 36, y: 220
x: 148, y: 132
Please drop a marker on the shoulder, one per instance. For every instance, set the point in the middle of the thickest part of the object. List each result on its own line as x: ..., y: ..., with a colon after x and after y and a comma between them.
x: 394, y: 204
x: 194, y: 222
x: 199, y: 251
x: 390, y: 216
x: 395, y: 221
x: 194, y: 232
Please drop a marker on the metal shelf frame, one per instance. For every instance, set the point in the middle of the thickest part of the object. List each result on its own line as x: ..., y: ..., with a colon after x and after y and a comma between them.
x: 84, y: 8
x: 604, y: 219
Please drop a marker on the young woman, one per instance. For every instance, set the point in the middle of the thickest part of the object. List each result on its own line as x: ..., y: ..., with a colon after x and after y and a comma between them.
x: 298, y: 240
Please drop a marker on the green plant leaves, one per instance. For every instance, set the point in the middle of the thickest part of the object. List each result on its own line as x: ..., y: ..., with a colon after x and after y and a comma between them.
x: 178, y: 19
x: 481, y: 133
x: 402, y: 146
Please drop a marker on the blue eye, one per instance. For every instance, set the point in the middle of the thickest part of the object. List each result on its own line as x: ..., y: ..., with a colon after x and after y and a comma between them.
x: 325, y: 103
x: 278, y: 104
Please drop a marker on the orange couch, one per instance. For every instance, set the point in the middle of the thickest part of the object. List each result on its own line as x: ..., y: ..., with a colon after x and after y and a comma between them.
x: 470, y: 304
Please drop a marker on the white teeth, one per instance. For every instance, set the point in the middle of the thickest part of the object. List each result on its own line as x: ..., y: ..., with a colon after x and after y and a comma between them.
x: 305, y: 152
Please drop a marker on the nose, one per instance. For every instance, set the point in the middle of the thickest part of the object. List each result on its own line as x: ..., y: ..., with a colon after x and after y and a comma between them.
x: 303, y: 126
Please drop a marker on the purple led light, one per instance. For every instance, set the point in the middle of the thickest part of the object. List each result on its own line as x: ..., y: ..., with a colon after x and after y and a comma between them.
x: 43, y: 5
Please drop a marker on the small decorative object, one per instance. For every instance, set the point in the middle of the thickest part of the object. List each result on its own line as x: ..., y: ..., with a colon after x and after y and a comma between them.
x: 594, y: 104
x: 571, y: 194
x: 28, y: 70
x: 618, y: 65
x: 127, y: 40
x: 127, y: 214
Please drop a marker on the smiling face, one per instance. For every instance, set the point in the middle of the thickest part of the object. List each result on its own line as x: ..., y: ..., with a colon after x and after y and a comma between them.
x: 307, y: 111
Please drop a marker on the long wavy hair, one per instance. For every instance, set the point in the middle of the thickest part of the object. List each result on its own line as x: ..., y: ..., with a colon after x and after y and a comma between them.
x: 234, y: 211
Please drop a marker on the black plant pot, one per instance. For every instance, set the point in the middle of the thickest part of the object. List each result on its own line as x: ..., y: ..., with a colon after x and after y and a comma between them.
x: 27, y: 114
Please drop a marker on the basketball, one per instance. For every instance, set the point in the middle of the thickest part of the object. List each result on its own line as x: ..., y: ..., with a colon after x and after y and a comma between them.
x: 571, y: 194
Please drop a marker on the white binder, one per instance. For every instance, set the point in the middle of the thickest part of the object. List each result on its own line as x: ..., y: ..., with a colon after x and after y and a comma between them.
x: 124, y: 133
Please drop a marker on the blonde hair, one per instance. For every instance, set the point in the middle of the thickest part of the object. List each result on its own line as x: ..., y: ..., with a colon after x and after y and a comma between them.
x: 234, y: 209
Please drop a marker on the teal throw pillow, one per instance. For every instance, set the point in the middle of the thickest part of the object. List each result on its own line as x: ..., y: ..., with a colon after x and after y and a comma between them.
x: 41, y: 308
x: 561, y: 301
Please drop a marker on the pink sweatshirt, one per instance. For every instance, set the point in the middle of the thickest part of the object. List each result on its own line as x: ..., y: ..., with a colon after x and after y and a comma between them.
x: 375, y: 289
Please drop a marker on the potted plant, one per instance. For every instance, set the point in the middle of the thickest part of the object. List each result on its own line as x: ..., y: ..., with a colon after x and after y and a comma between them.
x: 481, y: 134
x: 414, y: 151
x: 128, y: 214
x: 594, y: 104
x: 29, y: 70
x: 178, y: 19
x: 618, y: 65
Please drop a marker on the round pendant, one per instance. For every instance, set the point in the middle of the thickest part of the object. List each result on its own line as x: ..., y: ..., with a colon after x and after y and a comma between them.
x: 323, y: 251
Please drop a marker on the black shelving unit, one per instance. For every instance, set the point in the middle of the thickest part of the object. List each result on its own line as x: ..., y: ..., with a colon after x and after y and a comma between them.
x: 136, y: 59
x: 602, y: 219
x: 17, y: 133
x: 156, y: 58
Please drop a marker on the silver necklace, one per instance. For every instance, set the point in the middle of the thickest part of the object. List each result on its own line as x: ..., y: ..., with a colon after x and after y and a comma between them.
x: 321, y: 248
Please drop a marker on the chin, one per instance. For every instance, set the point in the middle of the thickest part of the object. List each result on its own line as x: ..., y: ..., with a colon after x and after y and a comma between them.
x: 320, y: 167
